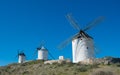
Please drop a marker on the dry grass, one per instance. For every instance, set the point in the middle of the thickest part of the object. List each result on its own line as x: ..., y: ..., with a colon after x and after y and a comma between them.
x: 38, y: 68
x: 102, y: 72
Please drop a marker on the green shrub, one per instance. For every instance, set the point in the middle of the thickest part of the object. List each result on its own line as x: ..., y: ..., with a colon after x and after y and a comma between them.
x: 81, y: 68
x: 117, y: 64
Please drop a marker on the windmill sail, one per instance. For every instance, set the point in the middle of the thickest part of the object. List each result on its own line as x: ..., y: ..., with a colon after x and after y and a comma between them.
x: 93, y: 23
x: 73, y: 22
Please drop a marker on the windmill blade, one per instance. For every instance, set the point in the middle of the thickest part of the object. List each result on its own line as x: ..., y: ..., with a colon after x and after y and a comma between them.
x: 22, y: 51
x: 18, y: 52
x: 42, y: 43
x: 93, y: 23
x: 73, y: 22
x: 97, y: 50
x: 35, y: 53
x: 66, y: 42
x: 51, y: 55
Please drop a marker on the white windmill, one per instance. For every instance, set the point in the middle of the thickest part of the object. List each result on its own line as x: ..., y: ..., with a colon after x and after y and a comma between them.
x: 21, y: 57
x: 42, y: 53
x: 82, y: 43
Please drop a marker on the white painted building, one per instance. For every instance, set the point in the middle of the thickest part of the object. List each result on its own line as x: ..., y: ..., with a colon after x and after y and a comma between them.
x: 42, y: 53
x: 61, y: 57
x: 82, y: 47
x: 21, y: 57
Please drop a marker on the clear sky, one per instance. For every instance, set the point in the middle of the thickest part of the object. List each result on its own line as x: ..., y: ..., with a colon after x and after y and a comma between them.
x: 25, y: 23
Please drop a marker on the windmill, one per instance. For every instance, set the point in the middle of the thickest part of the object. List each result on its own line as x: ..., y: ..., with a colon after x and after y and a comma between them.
x: 82, y: 43
x: 42, y: 52
x: 21, y: 56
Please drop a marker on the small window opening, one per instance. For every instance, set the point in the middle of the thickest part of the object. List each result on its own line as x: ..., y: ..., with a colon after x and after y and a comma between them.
x: 87, y: 47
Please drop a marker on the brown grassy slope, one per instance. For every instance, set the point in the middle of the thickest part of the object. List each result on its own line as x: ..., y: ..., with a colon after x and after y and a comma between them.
x: 38, y: 68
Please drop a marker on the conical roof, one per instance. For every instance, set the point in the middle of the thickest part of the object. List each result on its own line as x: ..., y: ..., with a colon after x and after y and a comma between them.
x: 42, y: 48
x: 21, y: 53
x: 83, y: 34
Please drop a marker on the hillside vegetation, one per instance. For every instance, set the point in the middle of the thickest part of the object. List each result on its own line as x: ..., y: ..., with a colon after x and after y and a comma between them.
x: 37, y: 67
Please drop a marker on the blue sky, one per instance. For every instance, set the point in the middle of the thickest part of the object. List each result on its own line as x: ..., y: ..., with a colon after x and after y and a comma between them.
x: 25, y: 23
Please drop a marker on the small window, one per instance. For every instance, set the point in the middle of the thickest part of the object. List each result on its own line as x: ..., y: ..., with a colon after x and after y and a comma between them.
x: 87, y: 47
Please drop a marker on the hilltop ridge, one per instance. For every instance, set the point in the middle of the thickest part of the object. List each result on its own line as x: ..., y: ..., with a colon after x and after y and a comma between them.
x: 37, y: 67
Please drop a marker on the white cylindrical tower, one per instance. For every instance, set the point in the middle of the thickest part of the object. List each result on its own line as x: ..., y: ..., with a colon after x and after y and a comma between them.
x: 82, y: 49
x: 21, y: 57
x: 42, y: 53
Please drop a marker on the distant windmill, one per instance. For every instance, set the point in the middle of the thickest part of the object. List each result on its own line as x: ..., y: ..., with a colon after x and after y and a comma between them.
x: 43, y: 52
x: 21, y: 56
x: 82, y: 43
